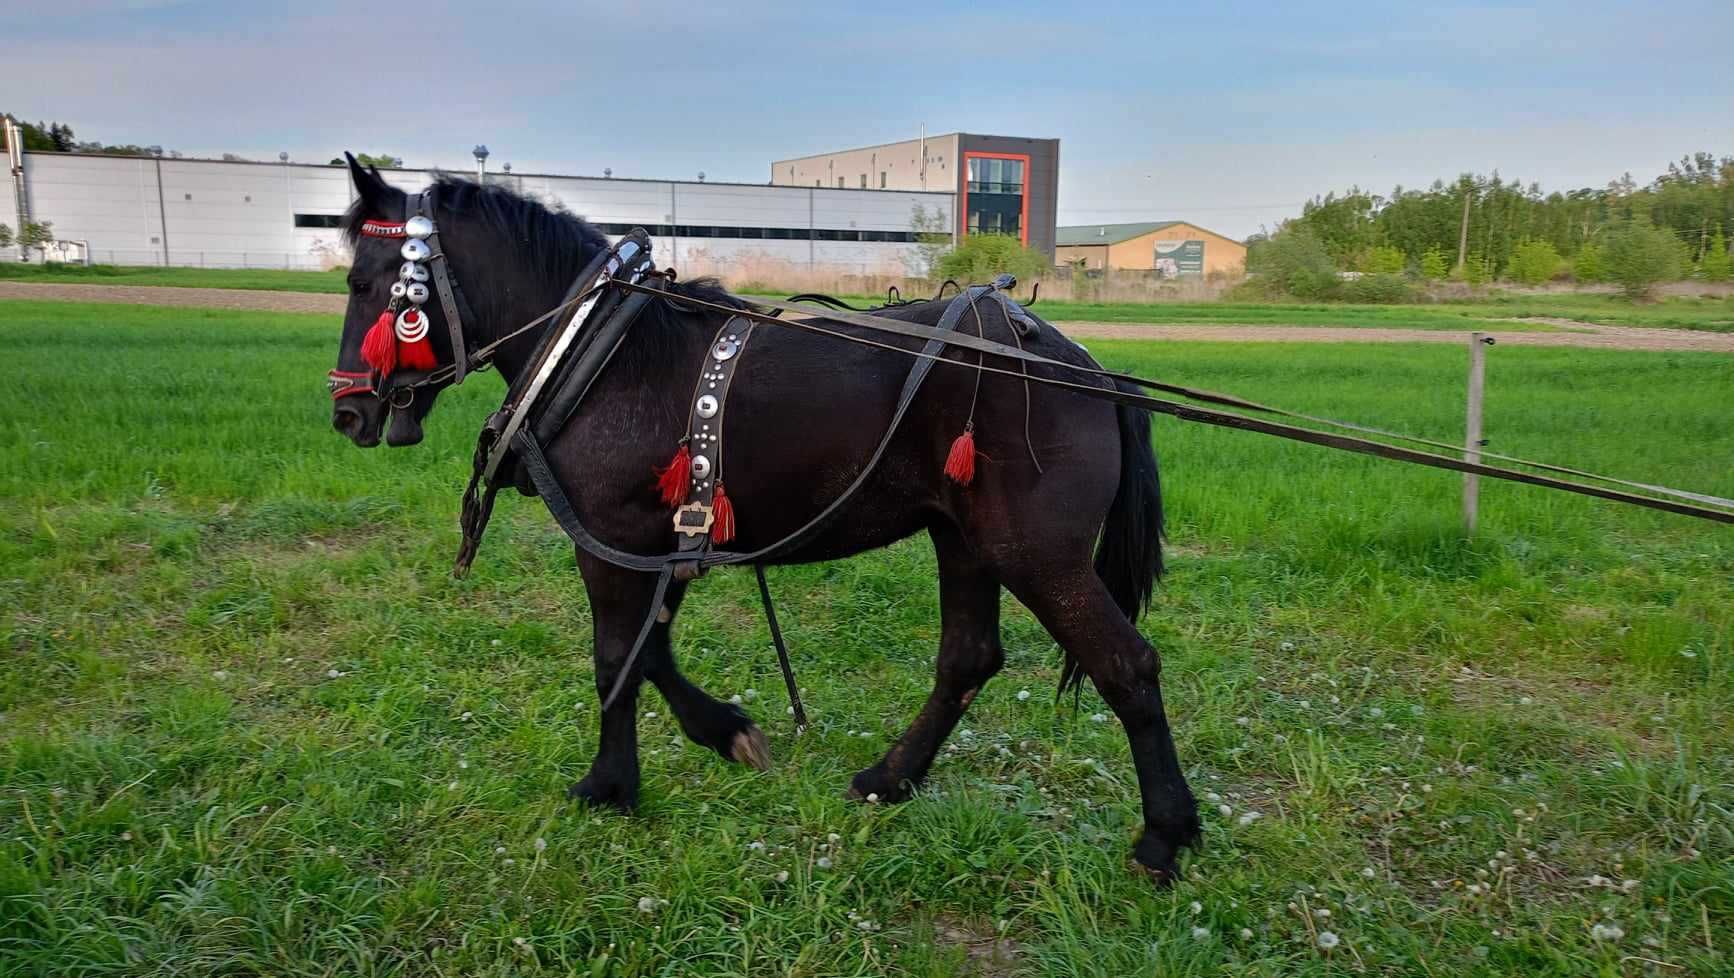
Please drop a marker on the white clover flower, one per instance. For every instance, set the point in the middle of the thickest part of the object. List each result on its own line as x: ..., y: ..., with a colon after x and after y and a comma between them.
x: 872, y: 797
x: 1246, y: 933
x: 1200, y: 933
x: 833, y: 838
x: 752, y: 694
x: 1250, y: 817
x: 452, y: 787
x: 1242, y: 721
x: 541, y: 844
x: 1328, y: 940
x: 650, y: 714
x: 756, y: 846
x: 1098, y: 717
x: 1607, y: 932
x: 126, y: 837
x: 1286, y: 647
x: 1212, y: 797
x: 1023, y: 694
x: 1369, y: 872
x: 333, y: 673
x: 782, y: 876
x: 1225, y: 810
x: 1375, y: 713
x: 1322, y: 914
x: 467, y: 716
x: 220, y: 675
x: 646, y: 904
x: 1196, y: 908
x: 824, y: 862
x: 736, y: 699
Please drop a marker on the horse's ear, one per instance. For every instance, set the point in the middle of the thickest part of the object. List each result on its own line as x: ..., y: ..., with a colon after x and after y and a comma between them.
x: 375, y: 194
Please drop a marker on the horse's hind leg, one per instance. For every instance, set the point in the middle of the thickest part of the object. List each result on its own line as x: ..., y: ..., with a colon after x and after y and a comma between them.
x: 969, y: 655
x: 1078, y: 611
x: 722, y: 727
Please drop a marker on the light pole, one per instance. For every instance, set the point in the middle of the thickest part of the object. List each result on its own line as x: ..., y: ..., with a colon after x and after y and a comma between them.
x: 481, y: 154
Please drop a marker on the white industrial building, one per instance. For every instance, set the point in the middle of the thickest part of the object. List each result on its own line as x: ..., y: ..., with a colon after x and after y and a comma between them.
x: 151, y: 211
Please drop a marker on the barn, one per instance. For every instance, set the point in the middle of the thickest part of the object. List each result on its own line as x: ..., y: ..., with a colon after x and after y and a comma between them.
x: 1171, y: 249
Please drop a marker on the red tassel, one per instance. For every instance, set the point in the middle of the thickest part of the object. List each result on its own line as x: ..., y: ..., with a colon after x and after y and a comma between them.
x: 416, y: 356
x: 960, y: 464
x: 673, y: 482
x: 722, y: 527
x: 379, y: 348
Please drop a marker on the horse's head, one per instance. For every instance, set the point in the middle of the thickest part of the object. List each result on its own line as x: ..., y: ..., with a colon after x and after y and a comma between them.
x: 395, y: 329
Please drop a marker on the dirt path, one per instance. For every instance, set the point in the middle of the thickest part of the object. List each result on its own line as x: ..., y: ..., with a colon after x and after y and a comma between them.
x: 1582, y: 335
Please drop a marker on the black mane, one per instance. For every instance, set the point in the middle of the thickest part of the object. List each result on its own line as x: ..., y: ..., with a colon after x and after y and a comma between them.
x: 556, y: 242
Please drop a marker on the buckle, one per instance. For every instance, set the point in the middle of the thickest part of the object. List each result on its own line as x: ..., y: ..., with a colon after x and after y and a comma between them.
x: 694, y: 519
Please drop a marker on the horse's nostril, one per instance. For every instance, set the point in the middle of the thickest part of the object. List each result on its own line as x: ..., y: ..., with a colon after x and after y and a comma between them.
x: 346, y: 420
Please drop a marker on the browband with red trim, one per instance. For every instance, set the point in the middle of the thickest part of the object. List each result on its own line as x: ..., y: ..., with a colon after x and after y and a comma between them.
x: 382, y: 229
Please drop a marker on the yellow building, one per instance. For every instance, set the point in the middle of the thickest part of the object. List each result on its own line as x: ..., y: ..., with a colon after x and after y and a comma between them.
x: 1170, y: 248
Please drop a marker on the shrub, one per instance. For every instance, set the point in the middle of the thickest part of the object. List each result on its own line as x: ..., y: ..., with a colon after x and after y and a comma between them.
x: 5, y: 236
x: 1384, y: 261
x: 1717, y: 265
x: 1434, y: 265
x: 982, y: 256
x: 1533, y: 262
x: 1384, y: 288
x: 1293, y: 262
x: 1639, y: 255
x: 1476, y: 271
x: 1591, y: 264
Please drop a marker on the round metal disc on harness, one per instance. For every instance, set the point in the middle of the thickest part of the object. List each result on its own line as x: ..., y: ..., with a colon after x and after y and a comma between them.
x: 707, y: 406
x: 418, y: 226
x: 415, y: 249
x: 725, y: 349
x: 700, y: 466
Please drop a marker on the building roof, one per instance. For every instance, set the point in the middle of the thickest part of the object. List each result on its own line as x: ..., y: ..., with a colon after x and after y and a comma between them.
x: 1102, y: 234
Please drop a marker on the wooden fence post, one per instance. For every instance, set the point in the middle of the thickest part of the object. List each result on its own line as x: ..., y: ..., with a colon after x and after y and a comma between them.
x: 1472, y: 440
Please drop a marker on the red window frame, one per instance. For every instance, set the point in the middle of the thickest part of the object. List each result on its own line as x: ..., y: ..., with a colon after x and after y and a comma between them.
x: 1024, y: 209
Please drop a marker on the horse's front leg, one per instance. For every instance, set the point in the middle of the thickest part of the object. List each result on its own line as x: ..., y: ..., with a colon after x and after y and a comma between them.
x: 706, y: 721
x: 619, y: 602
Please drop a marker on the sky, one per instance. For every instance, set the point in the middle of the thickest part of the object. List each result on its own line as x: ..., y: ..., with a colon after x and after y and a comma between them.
x: 1227, y: 114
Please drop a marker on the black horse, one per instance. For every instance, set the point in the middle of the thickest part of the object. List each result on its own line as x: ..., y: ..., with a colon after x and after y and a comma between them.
x: 1064, y: 509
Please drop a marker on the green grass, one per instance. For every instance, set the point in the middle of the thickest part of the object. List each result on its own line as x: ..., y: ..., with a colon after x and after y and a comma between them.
x: 187, y: 788
x: 269, y: 279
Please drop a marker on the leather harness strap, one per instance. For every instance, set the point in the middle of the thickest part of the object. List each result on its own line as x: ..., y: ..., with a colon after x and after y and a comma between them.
x: 443, y: 285
x: 693, y: 522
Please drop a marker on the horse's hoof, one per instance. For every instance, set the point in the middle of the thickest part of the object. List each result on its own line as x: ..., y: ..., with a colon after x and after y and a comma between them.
x: 1159, y: 860
x: 873, y: 787
x: 750, y: 748
x: 599, y: 793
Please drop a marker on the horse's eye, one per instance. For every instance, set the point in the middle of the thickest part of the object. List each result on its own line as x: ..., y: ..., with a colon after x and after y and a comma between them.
x: 360, y: 287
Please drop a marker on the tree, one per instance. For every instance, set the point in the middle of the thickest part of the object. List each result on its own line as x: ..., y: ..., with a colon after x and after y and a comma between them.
x: 1293, y: 261
x: 33, y: 235
x: 1639, y: 255
x: 932, y: 238
x: 1435, y: 265
x: 1590, y: 265
x: 1384, y: 260
x: 1533, y: 262
x: 982, y: 256
x: 383, y: 160
x: 5, y: 236
x: 1717, y: 265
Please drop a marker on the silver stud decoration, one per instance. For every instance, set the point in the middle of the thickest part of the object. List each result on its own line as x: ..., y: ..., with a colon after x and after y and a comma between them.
x: 700, y: 466
x: 416, y: 292
x: 418, y: 227
x: 398, y: 289
x: 415, y: 249
x: 412, y: 272
x: 724, y: 349
x: 411, y: 326
x: 707, y: 406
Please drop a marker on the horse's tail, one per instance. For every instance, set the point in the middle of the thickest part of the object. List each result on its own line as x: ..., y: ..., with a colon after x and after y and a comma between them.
x: 1129, y: 555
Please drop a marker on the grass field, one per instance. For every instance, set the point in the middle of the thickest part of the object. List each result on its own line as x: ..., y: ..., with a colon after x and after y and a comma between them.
x: 1496, y: 313
x: 270, y: 279
x: 248, y: 724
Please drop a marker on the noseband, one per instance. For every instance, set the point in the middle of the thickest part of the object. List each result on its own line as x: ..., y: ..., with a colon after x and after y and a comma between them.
x: 398, y: 338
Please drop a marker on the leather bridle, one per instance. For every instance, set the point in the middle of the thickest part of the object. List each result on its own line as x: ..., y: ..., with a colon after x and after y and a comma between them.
x: 399, y: 386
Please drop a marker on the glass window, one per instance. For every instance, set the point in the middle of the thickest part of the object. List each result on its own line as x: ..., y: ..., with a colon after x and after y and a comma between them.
x: 881, y: 179
x: 863, y: 181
